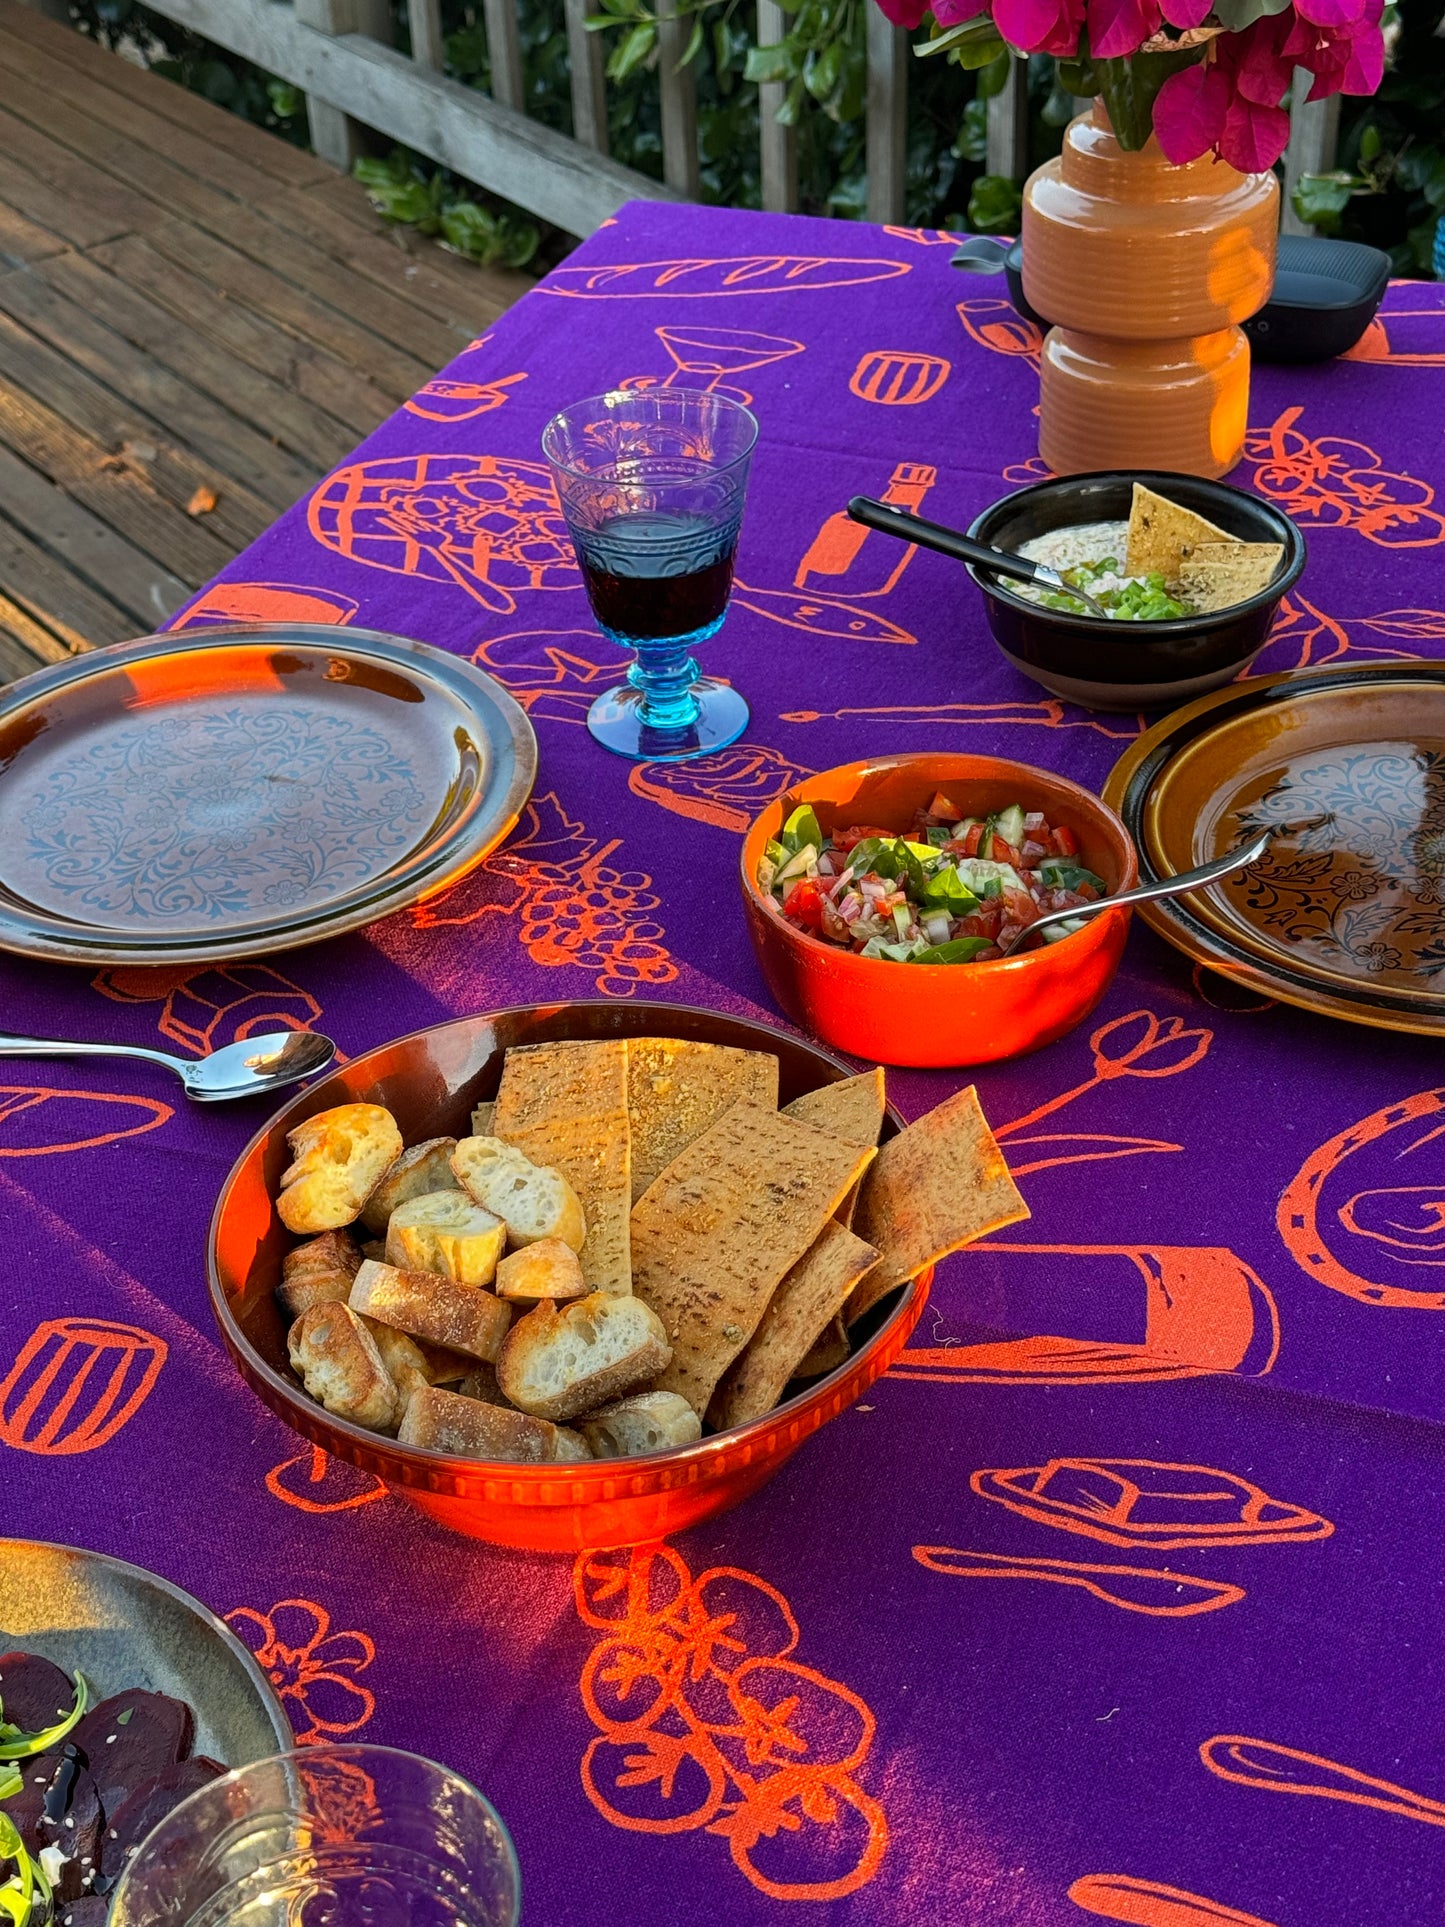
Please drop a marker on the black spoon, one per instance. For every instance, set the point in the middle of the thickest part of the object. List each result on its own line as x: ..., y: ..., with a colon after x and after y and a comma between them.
x: 933, y: 535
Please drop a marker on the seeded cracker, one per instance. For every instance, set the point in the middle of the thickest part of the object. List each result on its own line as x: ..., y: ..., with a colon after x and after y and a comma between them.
x: 1221, y: 574
x: 940, y: 1184
x: 804, y: 1303
x: 565, y: 1105
x: 676, y: 1090
x: 719, y: 1230
x: 1163, y: 536
x: 851, y: 1109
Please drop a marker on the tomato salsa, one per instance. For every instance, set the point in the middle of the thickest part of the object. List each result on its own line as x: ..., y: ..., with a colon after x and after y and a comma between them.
x: 952, y: 889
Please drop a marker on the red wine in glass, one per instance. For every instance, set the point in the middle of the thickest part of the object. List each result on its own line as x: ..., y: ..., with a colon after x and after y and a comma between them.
x: 651, y: 576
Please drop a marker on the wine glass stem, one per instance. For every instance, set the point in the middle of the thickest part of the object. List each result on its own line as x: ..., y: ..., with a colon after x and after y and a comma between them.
x: 663, y: 675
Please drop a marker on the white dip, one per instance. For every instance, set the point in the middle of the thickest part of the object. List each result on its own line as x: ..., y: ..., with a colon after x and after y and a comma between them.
x: 1064, y: 549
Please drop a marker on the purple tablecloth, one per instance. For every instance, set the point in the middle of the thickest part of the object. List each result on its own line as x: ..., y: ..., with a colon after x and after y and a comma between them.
x: 1144, y: 1534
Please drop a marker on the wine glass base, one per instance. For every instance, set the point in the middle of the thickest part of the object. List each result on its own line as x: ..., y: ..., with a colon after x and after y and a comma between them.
x: 615, y: 721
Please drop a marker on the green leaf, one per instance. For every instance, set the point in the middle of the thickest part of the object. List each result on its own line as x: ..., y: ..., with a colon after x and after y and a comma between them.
x: 635, y: 46
x: 792, y: 107
x: 957, y: 950
x: 820, y: 73
x: 944, y: 39
x: 1320, y: 199
x: 777, y: 62
x: 975, y: 54
x: 1078, y: 77
x: 1130, y: 86
x: 993, y: 79
x: 995, y: 204
x: 286, y: 101
x: 1370, y: 142
x: 694, y: 46
x: 802, y: 828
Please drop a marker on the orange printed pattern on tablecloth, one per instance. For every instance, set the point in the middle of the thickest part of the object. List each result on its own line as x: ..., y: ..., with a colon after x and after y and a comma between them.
x: 1333, y: 483
x: 443, y: 399
x: 314, y: 1481
x: 81, y: 1120
x: 726, y: 788
x: 702, y: 356
x: 1158, y: 1503
x: 898, y: 377
x: 1384, y: 339
x: 1285, y: 1769
x: 312, y: 1668
x: 265, y: 602
x: 555, y: 674
x: 76, y: 1383
x: 1303, y: 637
x: 1400, y: 1224
x: 924, y: 237
x: 698, y: 278
x: 489, y: 524
x: 1152, y: 1590
x: 202, y: 1010
x: 997, y: 325
x: 1149, y: 1903
x: 571, y: 905
x: 706, y: 1722
x: 1046, y: 714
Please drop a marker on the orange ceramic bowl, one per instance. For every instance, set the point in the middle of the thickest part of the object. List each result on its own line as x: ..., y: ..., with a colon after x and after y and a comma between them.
x: 939, y: 1015
x: 430, y: 1081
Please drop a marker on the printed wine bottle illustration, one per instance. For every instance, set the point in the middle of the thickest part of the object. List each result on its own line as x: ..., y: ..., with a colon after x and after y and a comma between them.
x: 847, y: 559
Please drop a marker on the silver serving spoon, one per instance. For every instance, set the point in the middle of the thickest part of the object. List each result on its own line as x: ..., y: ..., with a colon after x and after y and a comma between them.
x: 1175, y: 886
x: 248, y: 1069
x: 933, y: 535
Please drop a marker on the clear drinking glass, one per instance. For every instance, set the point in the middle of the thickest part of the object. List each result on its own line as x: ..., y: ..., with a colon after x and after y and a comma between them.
x: 330, y: 1836
x: 652, y: 486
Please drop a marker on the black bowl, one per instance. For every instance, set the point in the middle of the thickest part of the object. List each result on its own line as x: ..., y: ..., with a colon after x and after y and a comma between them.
x: 1130, y: 665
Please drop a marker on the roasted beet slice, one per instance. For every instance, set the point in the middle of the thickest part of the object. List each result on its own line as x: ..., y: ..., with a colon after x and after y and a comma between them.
x: 149, y: 1805
x: 130, y: 1738
x: 34, y: 1694
x: 91, y: 1911
x: 72, y: 1820
x: 26, y: 1806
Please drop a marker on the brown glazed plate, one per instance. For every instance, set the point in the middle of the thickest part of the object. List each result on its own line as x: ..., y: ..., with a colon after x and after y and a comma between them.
x: 1345, y: 913
x: 245, y: 789
x: 124, y: 1627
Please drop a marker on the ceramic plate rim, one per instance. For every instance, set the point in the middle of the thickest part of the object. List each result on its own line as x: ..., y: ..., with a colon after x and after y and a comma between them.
x: 1126, y: 790
x: 456, y: 676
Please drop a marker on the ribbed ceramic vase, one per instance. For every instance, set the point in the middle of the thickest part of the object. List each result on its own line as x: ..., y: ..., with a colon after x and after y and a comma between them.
x: 1146, y: 271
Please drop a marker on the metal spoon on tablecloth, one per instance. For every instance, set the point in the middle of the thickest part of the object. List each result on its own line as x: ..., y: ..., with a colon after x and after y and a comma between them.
x: 247, y: 1069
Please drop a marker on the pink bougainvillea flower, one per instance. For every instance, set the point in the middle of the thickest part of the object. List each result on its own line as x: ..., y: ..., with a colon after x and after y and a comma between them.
x: 1254, y: 137
x: 1040, y: 26
x: 1365, y: 65
x: 953, y: 13
x: 1186, y: 13
x: 1189, y: 112
x: 1121, y: 26
x: 1262, y: 71
x: 1331, y: 13
x: 905, y: 13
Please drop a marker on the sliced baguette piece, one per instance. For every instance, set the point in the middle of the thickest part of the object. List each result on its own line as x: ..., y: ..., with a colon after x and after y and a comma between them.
x: 939, y: 1185
x: 403, y: 1358
x: 559, y: 1361
x: 547, y: 1269
x: 571, y: 1446
x: 646, y: 1422
x: 468, y: 1429
x: 337, y: 1360
x: 532, y: 1200
x: 318, y: 1273
x: 445, y: 1231
x: 483, y: 1116
x: 481, y: 1382
x: 565, y: 1105
x: 677, y: 1089
x: 462, y: 1318
x: 424, y: 1167
x: 718, y: 1232
x: 336, y: 1159
x: 812, y: 1294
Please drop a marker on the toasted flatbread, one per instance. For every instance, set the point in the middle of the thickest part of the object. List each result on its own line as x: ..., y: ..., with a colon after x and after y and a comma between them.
x: 1163, y: 536
x: 940, y: 1184
x: 676, y: 1090
x: 827, y: 1351
x: 1220, y: 574
x: 565, y: 1105
x: 811, y: 1295
x: 851, y: 1109
x: 719, y: 1230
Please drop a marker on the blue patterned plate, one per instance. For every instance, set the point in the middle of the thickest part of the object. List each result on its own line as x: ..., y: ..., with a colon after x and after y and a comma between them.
x: 239, y: 790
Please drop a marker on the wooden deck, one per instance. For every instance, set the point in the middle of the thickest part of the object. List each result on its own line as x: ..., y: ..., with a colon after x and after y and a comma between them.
x: 190, y: 309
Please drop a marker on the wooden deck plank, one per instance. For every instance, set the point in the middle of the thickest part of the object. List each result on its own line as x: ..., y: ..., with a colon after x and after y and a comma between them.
x: 120, y: 491
x: 24, y: 645
x: 90, y: 548
x: 90, y: 196
x: 194, y: 419
x: 315, y: 441
x: 268, y: 152
x: 22, y: 240
x: 54, y: 598
x: 323, y: 384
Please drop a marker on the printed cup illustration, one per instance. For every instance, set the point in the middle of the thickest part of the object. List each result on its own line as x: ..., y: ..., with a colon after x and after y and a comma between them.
x: 76, y: 1383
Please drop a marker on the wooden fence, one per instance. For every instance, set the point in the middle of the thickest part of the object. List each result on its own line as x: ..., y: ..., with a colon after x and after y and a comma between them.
x: 339, y: 53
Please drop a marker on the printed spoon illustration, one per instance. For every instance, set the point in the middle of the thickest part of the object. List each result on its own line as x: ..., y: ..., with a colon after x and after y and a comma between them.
x: 246, y: 1069
x: 1283, y: 1769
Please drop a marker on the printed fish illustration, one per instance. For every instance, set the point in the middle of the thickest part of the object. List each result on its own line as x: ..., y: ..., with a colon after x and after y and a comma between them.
x: 1138, y: 1589
x: 818, y: 615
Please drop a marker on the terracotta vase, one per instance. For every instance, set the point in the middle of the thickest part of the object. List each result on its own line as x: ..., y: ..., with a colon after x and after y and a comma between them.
x: 1146, y: 271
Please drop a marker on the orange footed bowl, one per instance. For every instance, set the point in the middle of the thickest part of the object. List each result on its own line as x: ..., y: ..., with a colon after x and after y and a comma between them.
x: 430, y: 1082
x: 937, y: 1016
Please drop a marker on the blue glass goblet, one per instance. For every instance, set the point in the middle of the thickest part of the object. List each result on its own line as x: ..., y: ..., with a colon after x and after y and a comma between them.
x: 652, y: 485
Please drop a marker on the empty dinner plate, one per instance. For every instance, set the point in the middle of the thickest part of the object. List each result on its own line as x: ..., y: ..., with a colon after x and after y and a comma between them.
x: 1345, y: 912
x: 245, y: 789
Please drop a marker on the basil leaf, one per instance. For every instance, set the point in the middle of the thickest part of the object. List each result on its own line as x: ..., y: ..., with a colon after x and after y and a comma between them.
x: 800, y: 828
x: 957, y: 950
x: 1063, y: 873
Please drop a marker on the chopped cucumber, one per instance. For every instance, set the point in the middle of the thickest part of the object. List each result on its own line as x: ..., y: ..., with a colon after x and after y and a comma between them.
x: 1009, y: 824
x: 803, y: 864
